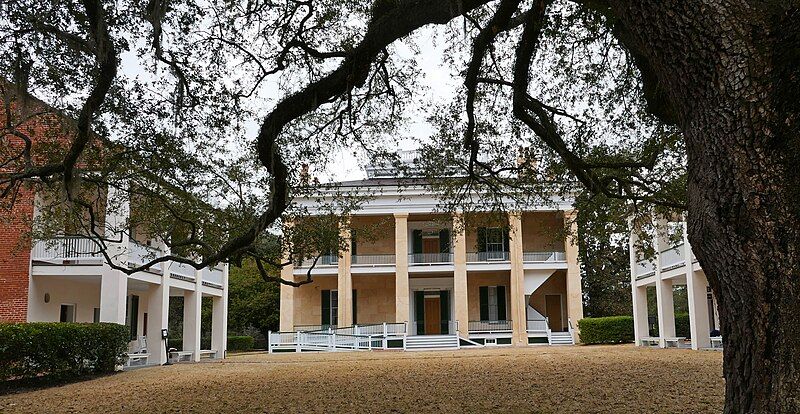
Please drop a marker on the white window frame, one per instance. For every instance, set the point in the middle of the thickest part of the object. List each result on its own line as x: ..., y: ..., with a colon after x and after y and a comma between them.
x: 74, y: 312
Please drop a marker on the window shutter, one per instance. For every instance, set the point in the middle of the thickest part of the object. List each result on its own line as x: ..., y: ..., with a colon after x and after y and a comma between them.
x: 353, y: 244
x: 501, y: 303
x: 506, y: 241
x: 484, y: 300
x: 326, y: 307
x: 481, y: 239
x: 355, y: 307
x: 134, y: 317
x: 444, y: 241
x: 419, y: 311
x: 417, y: 236
x: 444, y: 303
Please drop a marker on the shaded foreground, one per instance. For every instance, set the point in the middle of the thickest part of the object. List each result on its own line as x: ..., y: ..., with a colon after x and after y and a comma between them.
x: 542, y: 379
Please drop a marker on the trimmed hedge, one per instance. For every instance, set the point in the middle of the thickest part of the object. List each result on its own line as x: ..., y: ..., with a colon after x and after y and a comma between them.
x: 681, y: 325
x: 608, y: 330
x: 240, y: 343
x: 60, y: 350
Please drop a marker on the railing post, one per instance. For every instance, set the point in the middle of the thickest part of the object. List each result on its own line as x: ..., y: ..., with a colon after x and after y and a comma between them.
x: 333, y: 337
x: 297, y: 341
x: 384, y: 330
x: 269, y: 342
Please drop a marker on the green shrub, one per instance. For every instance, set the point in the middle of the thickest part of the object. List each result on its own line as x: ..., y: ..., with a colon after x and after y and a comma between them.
x: 176, y: 343
x: 60, y: 350
x: 240, y: 343
x: 682, y: 325
x: 608, y: 330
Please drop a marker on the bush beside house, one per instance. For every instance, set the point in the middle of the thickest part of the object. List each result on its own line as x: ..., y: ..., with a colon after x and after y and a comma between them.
x: 607, y: 330
x: 60, y: 350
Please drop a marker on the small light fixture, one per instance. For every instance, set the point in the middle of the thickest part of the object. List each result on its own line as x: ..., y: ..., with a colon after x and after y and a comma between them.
x: 46, y: 298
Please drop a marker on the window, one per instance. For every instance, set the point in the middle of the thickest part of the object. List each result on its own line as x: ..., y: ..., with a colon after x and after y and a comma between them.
x: 330, y: 307
x: 493, y: 243
x: 132, y: 316
x: 67, y: 313
x: 493, y: 303
x: 96, y: 317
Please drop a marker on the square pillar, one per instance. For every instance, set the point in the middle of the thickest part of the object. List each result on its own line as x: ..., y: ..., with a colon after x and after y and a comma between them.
x: 665, y: 304
x: 219, y: 325
x: 460, y: 300
x: 641, y: 327
x: 287, y: 292
x: 574, y: 288
x: 696, y: 285
x: 519, y: 322
x: 401, y: 292
x: 157, y: 319
x: 345, y: 279
x: 192, y: 315
x: 113, y: 295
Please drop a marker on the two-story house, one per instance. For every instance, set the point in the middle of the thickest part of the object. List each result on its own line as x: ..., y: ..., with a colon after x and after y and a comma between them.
x: 433, y: 279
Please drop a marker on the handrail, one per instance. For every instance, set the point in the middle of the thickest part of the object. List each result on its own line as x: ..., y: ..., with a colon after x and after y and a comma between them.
x: 373, y: 259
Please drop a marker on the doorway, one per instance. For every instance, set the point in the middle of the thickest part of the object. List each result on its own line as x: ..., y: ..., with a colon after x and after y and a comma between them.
x: 430, y: 245
x: 433, y: 315
x: 553, y: 309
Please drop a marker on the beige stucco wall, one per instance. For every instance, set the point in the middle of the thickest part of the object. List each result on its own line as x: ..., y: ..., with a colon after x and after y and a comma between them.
x: 307, y: 299
x: 375, y: 234
x: 555, y: 285
x: 85, y: 294
x: 375, y: 296
x: 475, y: 280
x: 543, y: 232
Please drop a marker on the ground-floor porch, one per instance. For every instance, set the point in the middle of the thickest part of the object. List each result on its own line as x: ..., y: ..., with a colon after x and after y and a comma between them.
x: 96, y: 293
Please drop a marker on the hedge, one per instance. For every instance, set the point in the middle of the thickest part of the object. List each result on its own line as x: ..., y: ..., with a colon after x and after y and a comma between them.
x: 681, y: 326
x: 60, y: 350
x: 608, y: 330
x: 240, y: 343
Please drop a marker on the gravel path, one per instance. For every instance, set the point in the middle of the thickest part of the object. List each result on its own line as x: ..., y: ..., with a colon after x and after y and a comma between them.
x: 537, y: 379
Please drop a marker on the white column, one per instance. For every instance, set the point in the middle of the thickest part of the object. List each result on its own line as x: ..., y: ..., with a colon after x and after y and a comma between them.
x: 345, y: 278
x: 219, y: 318
x: 665, y: 304
x: 114, y: 283
x: 698, y: 300
x: 192, y: 315
x: 574, y: 288
x: 460, y: 301
x: 401, y: 290
x: 638, y: 294
x: 157, y: 319
x: 519, y: 322
x: 287, y: 292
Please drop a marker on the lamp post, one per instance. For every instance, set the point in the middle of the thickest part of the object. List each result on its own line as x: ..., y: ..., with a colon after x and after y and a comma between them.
x: 165, y: 335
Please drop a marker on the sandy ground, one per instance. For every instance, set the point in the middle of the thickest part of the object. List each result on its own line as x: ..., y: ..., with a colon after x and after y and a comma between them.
x: 537, y: 379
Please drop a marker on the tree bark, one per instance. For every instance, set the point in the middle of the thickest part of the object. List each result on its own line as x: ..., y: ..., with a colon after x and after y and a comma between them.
x: 726, y: 73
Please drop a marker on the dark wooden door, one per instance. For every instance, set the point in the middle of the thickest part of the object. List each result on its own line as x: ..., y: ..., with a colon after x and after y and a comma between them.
x: 553, y: 307
x: 433, y: 316
x: 430, y: 245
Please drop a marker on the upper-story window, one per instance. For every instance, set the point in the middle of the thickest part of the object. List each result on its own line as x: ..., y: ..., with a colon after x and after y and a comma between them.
x: 493, y: 243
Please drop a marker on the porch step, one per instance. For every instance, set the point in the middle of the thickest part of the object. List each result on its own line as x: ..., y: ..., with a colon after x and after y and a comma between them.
x: 431, y: 342
x: 561, y: 338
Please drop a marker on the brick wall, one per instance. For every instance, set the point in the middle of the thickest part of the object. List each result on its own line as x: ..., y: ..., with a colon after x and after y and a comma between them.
x: 15, y: 255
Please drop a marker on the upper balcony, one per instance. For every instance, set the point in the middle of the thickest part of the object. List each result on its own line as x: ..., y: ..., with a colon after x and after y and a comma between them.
x: 81, y: 251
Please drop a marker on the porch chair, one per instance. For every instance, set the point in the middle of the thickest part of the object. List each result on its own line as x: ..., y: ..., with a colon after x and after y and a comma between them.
x: 140, y: 355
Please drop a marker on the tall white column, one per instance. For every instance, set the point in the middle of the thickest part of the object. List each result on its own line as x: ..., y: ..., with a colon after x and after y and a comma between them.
x: 345, y: 279
x: 157, y: 319
x: 287, y: 292
x: 519, y: 320
x: 696, y: 284
x: 401, y: 289
x: 219, y: 318
x: 460, y: 301
x: 665, y: 303
x: 192, y: 315
x: 114, y: 283
x: 638, y: 293
x: 574, y: 288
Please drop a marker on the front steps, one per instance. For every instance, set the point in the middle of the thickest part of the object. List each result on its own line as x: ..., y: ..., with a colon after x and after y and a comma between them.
x: 561, y: 338
x: 431, y: 342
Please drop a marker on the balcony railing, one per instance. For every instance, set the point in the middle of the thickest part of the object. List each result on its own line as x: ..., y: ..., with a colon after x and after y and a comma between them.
x: 430, y: 258
x: 140, y: 254
x: 325, y: 260
x: 489, y: 326
x: 213, y: 275
x: 672, y: 256
x: 473, y: 257
x: 373, y: 259
x: 535, y: 257
x: 66, y: 248
x: 645, y: 268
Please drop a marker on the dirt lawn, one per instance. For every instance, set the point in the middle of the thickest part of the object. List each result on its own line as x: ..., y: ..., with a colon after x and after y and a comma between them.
x: 537, y: 379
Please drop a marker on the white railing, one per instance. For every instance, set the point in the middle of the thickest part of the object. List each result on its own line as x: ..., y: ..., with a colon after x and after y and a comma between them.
x: 544, y: 257
x: 645, y: 267
x: 539, y: 325
x: 213, y: 275
x: 66, y: 248
x: 489, y: 326
x: 325, y: 260
x: 430, y: 258
x: 473, y: 257
x: 182, y: 269
x: 356, y: 337
x: 373, y: 259
x: 672, y: 256
x: 139, y: 254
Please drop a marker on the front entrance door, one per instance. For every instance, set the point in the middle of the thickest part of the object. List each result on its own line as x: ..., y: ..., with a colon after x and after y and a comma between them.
x: 433, y: 316
x: 553, y: 308
x: 430, y: 245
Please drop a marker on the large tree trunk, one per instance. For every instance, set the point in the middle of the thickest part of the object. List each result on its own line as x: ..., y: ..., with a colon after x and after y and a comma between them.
x: 727, y: 74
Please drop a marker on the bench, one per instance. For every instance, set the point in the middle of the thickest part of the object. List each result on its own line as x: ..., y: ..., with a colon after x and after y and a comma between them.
x: 139, y: 359
x: 208, y: 353
x: 716, y: 342
x: 676, y: 342
x: 180, y: 356
x: 650, y: 341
